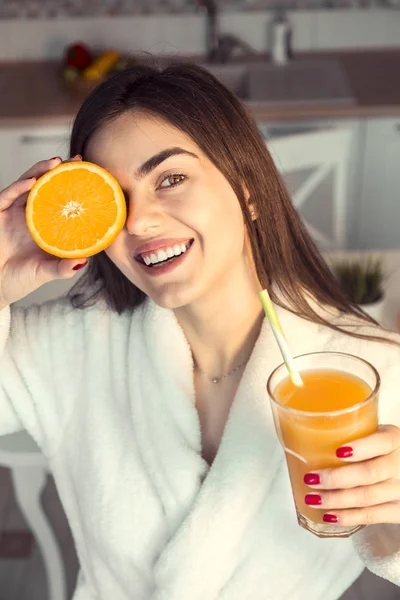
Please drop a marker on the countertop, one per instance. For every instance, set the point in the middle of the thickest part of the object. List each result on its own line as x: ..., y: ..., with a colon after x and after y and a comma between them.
x: 32, y: 93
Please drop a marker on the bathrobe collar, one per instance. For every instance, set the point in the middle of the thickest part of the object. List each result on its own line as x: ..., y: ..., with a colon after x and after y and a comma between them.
x: 209, y: 510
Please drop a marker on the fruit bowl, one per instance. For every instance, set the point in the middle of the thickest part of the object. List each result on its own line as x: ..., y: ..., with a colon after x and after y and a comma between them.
x: 81, y: 77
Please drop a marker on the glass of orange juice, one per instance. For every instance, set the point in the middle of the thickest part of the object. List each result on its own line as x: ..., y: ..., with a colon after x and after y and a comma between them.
x: 337, y: 404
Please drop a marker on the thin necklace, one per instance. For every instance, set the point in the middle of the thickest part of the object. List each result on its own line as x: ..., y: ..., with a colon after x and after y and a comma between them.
x: 218, y: 379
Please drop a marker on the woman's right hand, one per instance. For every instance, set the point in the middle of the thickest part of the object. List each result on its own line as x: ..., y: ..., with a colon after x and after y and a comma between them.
x: 24, y: 266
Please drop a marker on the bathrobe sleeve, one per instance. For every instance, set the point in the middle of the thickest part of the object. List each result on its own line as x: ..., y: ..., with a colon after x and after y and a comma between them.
x: 379, y: 545
x: 9, y: 421
x: 39, y: 367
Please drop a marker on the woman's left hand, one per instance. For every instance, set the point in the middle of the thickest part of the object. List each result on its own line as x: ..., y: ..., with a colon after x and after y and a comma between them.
x: 366, y: 491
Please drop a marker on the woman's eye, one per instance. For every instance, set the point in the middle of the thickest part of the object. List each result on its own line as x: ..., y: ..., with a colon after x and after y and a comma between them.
x: 172, y: 180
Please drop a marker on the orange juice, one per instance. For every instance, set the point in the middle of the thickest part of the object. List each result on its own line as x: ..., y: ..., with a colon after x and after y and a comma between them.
x: 311, y: 431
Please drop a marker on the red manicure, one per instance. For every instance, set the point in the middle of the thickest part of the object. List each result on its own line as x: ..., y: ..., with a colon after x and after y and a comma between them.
x: 313, y: 499
x: 311, y: 479
x: 328, y: 518
x: 344, y: 452
x: 80, y: 266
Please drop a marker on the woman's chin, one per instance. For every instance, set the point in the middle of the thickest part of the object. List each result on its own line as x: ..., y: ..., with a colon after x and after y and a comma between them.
x: 172, y: 299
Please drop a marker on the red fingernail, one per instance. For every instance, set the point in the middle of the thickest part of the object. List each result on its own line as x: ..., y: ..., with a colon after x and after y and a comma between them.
x: 344, y: 452
x: 80, y: 266
x: 312, y: 479
x: 328, y: 518
x: 54, y: 158
x: 313, y: 499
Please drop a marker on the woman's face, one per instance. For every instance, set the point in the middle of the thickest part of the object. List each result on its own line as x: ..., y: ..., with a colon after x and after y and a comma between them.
x: 184, y: 234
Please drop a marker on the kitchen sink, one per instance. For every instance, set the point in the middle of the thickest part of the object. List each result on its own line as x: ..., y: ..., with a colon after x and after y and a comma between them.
x: 300, y: 82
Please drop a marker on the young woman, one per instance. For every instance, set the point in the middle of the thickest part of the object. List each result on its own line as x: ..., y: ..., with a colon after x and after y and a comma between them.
x: 145, y: 388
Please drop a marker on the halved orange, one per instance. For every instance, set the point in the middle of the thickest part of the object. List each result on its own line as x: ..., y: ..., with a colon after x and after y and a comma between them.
x: 75, y: 210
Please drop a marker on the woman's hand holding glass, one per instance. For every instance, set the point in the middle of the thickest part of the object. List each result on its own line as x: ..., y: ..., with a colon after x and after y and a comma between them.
x: 366, y: 491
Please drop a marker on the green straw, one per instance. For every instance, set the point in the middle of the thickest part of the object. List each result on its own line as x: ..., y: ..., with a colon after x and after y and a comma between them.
x: 280, y: 338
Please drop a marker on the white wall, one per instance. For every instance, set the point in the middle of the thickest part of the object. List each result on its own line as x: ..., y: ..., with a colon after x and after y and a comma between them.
x: 161, y: 34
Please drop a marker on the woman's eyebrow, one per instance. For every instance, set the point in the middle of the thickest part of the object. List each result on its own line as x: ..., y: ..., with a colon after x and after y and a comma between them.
x: 157, y: 159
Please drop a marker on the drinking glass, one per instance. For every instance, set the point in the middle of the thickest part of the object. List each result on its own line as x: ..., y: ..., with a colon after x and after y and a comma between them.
x: 310, y: 439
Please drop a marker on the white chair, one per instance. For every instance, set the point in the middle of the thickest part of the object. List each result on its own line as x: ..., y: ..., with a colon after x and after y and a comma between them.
x: 326, y: 152
x: 29, y: 471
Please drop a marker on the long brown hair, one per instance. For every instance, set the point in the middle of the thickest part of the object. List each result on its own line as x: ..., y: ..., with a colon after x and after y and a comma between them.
x: 195, y: 102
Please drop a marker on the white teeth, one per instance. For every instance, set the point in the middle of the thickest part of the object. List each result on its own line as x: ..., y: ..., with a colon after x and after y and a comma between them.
x: 153, y: 259
x: 161, y: 255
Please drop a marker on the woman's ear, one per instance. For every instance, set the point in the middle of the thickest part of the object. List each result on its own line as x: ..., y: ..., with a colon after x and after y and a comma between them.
x: 250, y: 206
x: 252, y: 210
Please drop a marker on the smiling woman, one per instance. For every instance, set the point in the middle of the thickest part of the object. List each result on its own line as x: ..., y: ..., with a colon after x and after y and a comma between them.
x: 178, y: 201
x: 146, y: 387
x: 163, y: 132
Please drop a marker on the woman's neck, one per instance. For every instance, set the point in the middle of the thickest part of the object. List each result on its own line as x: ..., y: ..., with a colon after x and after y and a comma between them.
x: 222, y: 329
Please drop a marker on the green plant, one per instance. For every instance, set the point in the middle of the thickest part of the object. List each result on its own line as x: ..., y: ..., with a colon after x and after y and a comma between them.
x: 361, y: 279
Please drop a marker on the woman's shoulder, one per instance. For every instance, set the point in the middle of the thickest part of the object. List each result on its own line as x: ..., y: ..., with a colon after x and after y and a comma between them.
x: 381, y: 348
x: 63, y: 311
x: 51, y: 309
x: 369, y: 332
x: 355, y: 333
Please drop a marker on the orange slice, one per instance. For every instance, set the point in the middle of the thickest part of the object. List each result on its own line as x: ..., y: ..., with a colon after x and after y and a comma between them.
x: 75, y: 210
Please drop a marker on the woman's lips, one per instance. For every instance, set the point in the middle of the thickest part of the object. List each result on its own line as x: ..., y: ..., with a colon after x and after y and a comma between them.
x: 163, y: 268
x: 160, y: 244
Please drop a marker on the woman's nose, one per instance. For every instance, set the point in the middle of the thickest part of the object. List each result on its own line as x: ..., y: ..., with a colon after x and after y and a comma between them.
x: 143, y: 216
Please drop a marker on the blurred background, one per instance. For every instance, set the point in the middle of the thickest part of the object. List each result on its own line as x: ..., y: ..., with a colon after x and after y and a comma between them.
x: 322, y: 80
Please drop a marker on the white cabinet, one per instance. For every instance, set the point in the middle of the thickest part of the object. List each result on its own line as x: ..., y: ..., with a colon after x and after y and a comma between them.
x: 321, y: 210
x: 379, y: 207
x: 20, y: 148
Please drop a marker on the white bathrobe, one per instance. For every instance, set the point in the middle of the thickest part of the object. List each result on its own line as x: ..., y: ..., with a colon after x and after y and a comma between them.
x: 110, y: 400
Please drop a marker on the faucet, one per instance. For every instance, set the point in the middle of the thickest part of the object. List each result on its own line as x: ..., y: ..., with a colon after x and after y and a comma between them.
x: 219, y: 47
x: 212, y: 28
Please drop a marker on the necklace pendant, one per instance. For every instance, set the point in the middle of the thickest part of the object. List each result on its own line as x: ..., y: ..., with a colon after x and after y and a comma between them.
x: 215, y: 380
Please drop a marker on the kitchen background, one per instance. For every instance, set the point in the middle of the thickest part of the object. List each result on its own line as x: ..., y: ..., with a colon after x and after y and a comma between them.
x: 51, y: 8
x: 344, y: 76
